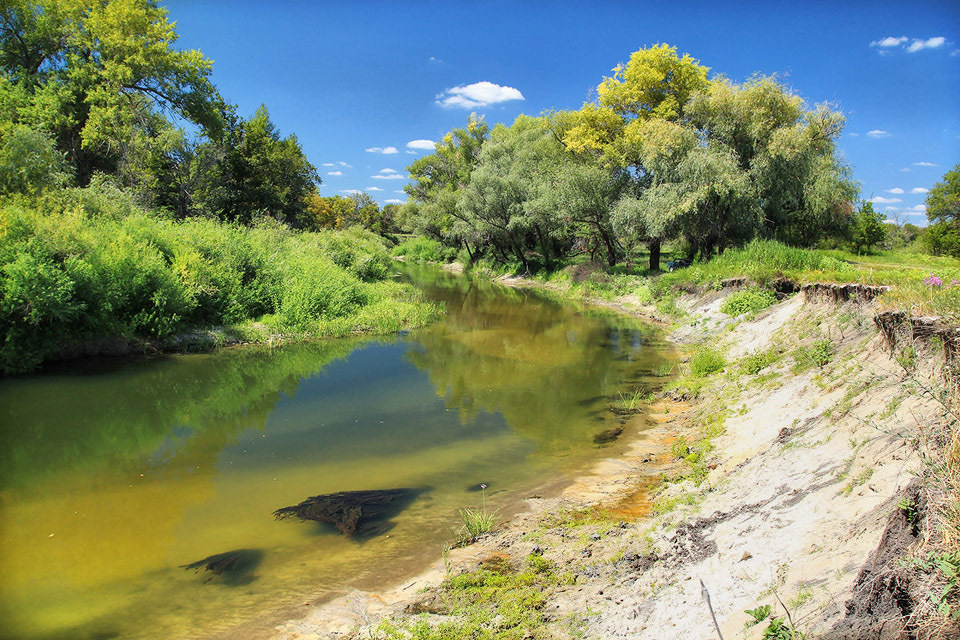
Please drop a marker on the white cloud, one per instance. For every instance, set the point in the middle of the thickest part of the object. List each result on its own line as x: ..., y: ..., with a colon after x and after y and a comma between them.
x: 895, y: 190
x: 435, y: 60
x: 352, y: 192
x: 389, y: 176
x: 344, y: 164
x: 387, y: 150
x: 400, y: 191
x: 854, y: 135
x: 955, y: 52
x: 413, y: 152
x: 334, y: 173
x: 930, y: 43
x: 478, y: 94
x: 394, y: 201
x: 373, y: 189
x: 919, y: 190
x: 882, y: 200
x: 388, y: 171
x: 426, y: 145
x: 889, y: 41
x: 327, y: 164
x: 920, y: 208
x: 905, y: 170
x: 924, y: 164
x: 878, y: 133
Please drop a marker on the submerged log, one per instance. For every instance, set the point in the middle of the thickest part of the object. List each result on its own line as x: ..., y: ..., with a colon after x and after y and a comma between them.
x: 349, y: 510
x: 233, y: 565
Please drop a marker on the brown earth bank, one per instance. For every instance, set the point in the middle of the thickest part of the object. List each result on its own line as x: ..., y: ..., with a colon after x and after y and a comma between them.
x: 814, y: 475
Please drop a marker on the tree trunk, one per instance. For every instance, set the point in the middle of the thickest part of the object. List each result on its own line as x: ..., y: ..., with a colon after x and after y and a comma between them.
x: 654, y: 246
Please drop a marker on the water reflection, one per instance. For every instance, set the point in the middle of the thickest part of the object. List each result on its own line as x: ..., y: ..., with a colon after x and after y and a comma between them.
x: 112, y: 478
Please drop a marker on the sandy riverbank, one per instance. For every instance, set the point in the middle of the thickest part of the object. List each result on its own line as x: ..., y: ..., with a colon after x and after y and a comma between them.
x: 799, y: 506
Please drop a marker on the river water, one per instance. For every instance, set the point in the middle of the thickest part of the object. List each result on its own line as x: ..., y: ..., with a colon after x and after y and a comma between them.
x: 115, y: 473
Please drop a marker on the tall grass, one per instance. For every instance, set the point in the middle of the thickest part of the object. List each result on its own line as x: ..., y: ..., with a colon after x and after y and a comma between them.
x: 87, y: 264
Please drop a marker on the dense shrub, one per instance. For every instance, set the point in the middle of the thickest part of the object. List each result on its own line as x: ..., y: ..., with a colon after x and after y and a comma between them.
x: 425, y: 250
x: 84, y: 264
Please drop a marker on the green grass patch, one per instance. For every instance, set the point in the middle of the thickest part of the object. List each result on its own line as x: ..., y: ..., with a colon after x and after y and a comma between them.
x: 750, y: 300
x: 424, y: 250
x: 706, y: 361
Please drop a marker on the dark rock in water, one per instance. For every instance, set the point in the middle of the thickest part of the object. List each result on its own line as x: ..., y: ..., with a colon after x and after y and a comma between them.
x: 234, y: 566
x: 605, y: 437
x: 348, y: 511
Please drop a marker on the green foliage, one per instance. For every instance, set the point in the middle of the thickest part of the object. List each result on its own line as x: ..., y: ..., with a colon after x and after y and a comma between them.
x: 756, y: 362
x: 759, y: 614
x: 500, y: 603
x: 748, y: 301
x: 706, y: 361
x: 29, y: 161
x: 779, y: 629
x: 867, y: 229
x: 819, y: 354
x: 942, y: 239
x: 425, y: 250
x: 943, y: 200
x: 83, y: 265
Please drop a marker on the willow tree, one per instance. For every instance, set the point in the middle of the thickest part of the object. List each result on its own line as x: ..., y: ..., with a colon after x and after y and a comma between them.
x: 787, y: 152
x: 655, y: 85
x: 436, y: 181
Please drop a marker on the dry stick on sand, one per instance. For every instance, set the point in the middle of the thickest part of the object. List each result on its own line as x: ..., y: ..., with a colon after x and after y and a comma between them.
x: 706, y: 598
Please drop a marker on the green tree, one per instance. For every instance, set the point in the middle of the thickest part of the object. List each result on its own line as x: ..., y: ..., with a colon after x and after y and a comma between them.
x: 867, y: 228
x: 96, y: 75
x: 261, y: 174
x: 435, y: 181
x: 943, y: 210
x: 654, y: 86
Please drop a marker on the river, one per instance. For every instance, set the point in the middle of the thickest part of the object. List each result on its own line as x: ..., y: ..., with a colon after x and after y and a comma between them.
x: 115, y: 473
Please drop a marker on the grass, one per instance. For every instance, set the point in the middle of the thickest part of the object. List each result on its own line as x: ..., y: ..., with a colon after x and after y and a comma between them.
x: 476, y: 522
x: 497, y: 603
x: 751, y: 301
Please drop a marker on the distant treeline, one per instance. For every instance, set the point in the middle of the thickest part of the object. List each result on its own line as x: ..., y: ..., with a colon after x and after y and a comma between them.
x: 663, y: 154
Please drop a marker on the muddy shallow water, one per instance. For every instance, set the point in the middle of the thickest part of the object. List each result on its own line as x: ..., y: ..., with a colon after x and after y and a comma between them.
x: 114, y: 474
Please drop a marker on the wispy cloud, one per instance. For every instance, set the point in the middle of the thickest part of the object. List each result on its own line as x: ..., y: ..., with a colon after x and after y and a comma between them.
x: 344, y: 164
x: 478, y: 94
x: 924, y: 164
x: 352, y: 192
x: 389, y: 176
x: 878, y: 133
x: 435, y: 60
x: 895, y: 190
x: 882, y: 200
x: 885, y: 45
x: 373, y: 189
x: 334, y: 173
x: 889, y: 41
x: 426, y: 145
x: 328, y: 164
x: 387, y: 150
x: 929, y: 43
x: 388, y: 171
x: 905, y: 170
x: 919, y: 190
x: 394, y: 201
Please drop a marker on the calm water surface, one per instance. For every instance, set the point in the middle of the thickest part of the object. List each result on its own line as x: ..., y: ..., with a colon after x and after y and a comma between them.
x: 115, y: 474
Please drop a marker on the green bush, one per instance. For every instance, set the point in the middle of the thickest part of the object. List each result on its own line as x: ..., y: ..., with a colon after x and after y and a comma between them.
x: 756, y: 362
x: 706, y: 361
x: 425, y: 250
x: 748, y: 301
x: 88, y: 263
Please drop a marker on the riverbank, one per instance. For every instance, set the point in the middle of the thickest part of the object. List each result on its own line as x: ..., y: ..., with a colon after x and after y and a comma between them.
x: 810, y: 475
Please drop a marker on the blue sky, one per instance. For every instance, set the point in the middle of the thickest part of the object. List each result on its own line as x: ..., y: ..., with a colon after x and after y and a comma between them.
x: 358, y: 82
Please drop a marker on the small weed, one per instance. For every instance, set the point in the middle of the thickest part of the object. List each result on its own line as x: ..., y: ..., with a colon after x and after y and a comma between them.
x: 758, y: 361
x: 948, y: 565
x: 857, y: 480
x: 759, y: 614
x: 907, y: 358
x: 476, y: 522
x: 820, y: 354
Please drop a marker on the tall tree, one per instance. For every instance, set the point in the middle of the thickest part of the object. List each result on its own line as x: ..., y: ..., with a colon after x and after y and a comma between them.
x: 655, y: 85
x: 95, y: 74
x: 943, y: 210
